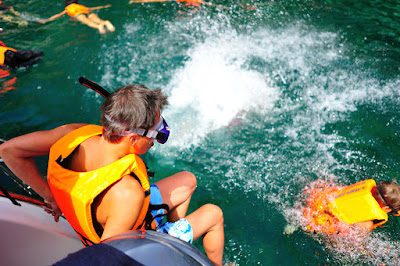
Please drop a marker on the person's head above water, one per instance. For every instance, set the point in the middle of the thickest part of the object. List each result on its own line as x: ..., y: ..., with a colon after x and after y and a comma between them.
x: 133, y: 108
x: 388, y: 196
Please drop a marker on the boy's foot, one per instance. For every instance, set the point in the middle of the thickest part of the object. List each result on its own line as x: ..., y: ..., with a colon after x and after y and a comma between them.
x: 109, y: 26
x: 102, y: 30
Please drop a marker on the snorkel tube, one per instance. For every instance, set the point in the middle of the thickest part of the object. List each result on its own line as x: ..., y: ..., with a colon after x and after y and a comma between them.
x: 94, y: 86
x: 161, y: 134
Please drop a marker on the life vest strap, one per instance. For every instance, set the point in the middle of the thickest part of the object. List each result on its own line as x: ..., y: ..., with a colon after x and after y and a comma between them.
x: 147, y: 192
x: 85, y: 241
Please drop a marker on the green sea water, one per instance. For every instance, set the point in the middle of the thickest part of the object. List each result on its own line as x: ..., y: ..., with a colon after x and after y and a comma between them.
x: 265, y: 98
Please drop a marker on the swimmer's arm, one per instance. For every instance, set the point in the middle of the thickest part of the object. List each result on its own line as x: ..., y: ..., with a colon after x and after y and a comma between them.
x: 147, y: 1
x: 123, y: 203
x: 16, y: 13
x: 98, y: 7
x: 52, y: 18
x: 18, y: 154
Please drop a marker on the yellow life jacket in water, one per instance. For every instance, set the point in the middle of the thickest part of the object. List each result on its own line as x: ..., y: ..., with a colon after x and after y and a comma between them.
x: 355, y: 204
x: 328, y: 206
x: 75, y: 192
x: 3, y: 50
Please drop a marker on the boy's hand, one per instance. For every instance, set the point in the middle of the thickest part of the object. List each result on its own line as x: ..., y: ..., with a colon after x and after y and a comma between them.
x: 53, y: 209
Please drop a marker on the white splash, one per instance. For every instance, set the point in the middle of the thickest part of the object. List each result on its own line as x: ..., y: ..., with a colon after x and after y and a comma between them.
x: 214, y: 87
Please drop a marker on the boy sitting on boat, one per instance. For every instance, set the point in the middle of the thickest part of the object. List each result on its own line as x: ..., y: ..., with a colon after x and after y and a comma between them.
x: 96, y: 178
x: 365, y: 204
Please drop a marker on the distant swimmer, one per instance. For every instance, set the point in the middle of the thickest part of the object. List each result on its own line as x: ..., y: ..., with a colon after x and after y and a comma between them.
x: 84, y: 15
x: 188, y: 2
x: 21, y: 58
x: 364, y: 204
x: 13, y: 16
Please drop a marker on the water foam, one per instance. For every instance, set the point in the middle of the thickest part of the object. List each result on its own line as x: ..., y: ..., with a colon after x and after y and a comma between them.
x: 215, y: 86
x: 296, y: 79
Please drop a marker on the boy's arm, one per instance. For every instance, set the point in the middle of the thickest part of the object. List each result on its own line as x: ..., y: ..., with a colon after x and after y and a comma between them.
x: 52, y: 18
x: 16, y: 13
x: 18, y: 154
x: 120, y: 207
x: 98, y: 7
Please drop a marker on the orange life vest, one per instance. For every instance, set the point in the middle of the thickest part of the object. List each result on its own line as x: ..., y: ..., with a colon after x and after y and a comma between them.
x: 191, y: 2
x: 3, y: 50
x: 75, y: 192
x: 73, y: 10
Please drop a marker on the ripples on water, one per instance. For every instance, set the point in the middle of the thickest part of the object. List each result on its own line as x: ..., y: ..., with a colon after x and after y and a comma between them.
x: 265, y: 98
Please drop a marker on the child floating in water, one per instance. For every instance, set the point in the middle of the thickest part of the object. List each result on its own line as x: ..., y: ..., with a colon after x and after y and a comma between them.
x: 187, y: 2
x: 330, y: 209
x: 12, y: 16
x: 83, y: 14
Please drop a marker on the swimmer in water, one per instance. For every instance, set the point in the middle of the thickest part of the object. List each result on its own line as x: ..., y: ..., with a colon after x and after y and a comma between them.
x: 84, y: 15
x: 363, y: 204
x: 13, y: 16
x: 188, y: 2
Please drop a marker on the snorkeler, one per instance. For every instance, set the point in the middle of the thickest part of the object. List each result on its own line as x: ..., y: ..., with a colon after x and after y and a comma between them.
x: 13, y: 17
x: 84, y: 15
x: 187, y: 2
x: 21, y: 58
x: 363, y: 204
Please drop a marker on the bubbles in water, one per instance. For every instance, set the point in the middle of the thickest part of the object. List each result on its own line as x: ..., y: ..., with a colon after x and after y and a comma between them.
x: 215, y: 86
x: 293, y: 81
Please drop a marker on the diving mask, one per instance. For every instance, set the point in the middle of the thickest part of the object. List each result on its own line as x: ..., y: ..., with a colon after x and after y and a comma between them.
x: 160, y: 131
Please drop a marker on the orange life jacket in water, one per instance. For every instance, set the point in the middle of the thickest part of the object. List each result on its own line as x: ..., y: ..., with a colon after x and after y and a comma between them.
x: 73, y: 10
x: 3, y: 50
x: 351, y: 204
x: 191, y: 2
x: 75, y: 192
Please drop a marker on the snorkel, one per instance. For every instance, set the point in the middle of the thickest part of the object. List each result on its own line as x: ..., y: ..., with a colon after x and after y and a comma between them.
x: 94, y: 86
x: 160, y: 131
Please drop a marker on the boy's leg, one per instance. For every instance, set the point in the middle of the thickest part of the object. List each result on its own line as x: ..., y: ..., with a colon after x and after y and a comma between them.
x: 208, y: 221
x: 96, y: 19
x: 85, y: 20
x: 176, y: 191
x: 93, y: 17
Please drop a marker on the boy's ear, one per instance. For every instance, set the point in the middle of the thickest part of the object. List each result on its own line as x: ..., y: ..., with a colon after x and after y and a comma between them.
x: 133, y: 138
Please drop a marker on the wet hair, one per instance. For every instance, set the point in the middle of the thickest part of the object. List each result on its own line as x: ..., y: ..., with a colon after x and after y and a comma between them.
x: 129, y: 107
x: 390, y: 191
x: 68, y: 2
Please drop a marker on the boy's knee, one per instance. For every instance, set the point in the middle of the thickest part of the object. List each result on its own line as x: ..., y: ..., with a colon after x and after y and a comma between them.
x: 215, y: 212
x: 190, y: 180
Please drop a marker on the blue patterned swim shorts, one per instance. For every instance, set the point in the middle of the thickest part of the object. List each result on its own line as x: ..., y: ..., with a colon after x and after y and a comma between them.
x: 180, y: 229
